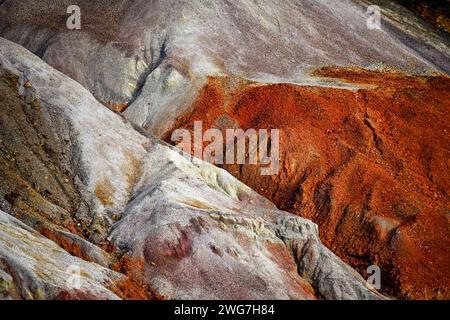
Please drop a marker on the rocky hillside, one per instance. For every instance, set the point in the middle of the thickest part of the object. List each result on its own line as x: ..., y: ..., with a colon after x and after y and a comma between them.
x: 111, y: 199
x: 364, y: 148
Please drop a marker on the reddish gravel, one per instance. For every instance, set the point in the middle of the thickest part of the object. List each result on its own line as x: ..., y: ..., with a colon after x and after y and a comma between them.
x: 370, y: 166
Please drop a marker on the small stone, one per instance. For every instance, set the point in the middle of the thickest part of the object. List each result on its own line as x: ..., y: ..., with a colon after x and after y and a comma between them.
x: 27, y: 84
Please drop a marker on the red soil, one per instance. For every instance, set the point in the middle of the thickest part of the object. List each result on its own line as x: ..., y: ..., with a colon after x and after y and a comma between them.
x: 133, y: 287
x: 369, y: 166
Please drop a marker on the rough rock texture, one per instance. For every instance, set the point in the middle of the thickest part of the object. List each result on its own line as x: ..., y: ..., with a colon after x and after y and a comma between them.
x: 436, y: 12
x: 202, y: 234
x: 364, y: 154
x: 177, y: 227
x: 33, y: 267
x: 265, y: 41
x: 414, y: 32
x: 369, y: 165
x: 64, y: 167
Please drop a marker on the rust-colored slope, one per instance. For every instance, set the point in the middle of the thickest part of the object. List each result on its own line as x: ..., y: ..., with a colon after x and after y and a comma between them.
x: 370, y: 166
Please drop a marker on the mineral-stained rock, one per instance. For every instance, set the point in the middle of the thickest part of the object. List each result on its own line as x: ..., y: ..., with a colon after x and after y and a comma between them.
x: 368, y: 164
x: 202, y: 234
x: 435, y: 12
x: 184, y: 40
x: 185, y: 229
x: 33, y: 267
x: 364, y: 153
x: 60, y: 167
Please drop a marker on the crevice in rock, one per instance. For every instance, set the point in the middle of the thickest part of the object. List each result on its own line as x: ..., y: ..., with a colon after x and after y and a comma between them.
x: 40, y: 52
x: 378, y: 142
x: 143, y: 77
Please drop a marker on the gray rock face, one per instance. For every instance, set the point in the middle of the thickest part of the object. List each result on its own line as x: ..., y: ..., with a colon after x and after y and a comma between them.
x: 161, y: 51
x: 171, y: 94
x: 413, y: 32
x: 195, y: 230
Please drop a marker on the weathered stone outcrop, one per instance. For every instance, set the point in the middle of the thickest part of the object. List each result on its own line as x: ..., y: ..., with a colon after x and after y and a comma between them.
x: 367, y: 163
x: 178, y: 227
x: 202, y: 234
x: 364, y: 137
x: 33, y: 267
x: 60, y: 164
x: 161, y: 50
